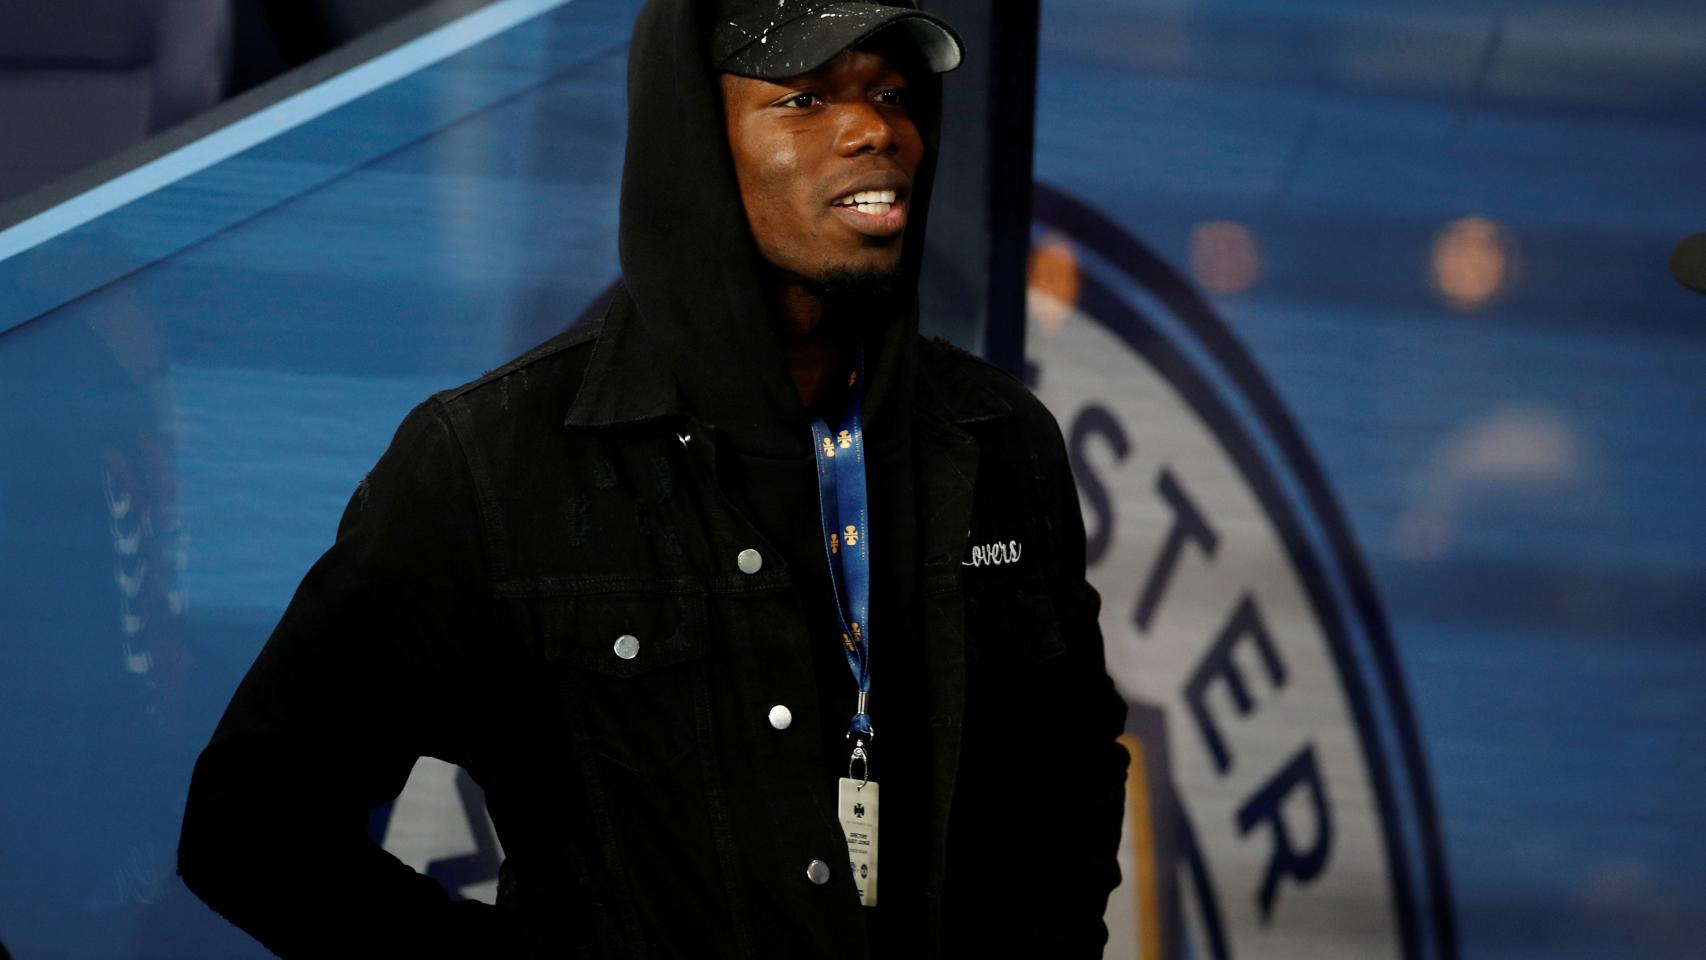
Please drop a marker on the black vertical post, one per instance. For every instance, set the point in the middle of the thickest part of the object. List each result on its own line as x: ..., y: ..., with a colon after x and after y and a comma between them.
x: 973, y: 289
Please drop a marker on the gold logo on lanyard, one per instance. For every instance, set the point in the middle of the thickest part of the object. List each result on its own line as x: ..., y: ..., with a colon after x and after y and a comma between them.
x: 852, y: 537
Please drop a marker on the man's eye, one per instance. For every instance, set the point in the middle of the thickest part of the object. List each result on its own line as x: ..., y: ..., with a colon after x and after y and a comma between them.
x: 803, y: 101
x: 892, y: 97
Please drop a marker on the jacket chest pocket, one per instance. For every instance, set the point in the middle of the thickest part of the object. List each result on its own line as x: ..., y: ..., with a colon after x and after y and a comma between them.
x: 631, y: 668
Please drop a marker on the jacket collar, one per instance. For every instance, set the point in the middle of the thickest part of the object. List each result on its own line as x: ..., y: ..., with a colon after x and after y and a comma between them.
x: 625, y: 383
x: 948, y: 391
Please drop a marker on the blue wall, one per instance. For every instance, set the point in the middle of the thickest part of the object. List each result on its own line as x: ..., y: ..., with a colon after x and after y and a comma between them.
x: 1520, y: 461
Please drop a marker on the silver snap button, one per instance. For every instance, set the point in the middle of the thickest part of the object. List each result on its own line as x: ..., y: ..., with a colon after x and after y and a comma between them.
x: 627, y: 646
x: 781, y: 717
x: 817, y: 872
x: 750, y: 561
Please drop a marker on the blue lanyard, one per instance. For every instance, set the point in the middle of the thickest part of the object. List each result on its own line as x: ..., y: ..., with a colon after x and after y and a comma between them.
x: 841, y: 501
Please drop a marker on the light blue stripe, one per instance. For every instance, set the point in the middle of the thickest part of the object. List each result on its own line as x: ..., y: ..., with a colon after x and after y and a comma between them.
x: 281, y: 117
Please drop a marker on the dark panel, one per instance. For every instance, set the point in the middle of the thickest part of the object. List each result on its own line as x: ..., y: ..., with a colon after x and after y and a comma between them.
x: 974, y: 284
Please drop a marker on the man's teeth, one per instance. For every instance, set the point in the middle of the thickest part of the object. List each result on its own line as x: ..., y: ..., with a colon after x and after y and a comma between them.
x: 875, y: 202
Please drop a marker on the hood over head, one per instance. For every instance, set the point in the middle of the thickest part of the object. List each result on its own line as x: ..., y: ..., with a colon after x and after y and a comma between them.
x: 691, y: 269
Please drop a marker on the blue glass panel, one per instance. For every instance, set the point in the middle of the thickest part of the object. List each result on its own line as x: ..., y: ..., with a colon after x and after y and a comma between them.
x: 196, y: 378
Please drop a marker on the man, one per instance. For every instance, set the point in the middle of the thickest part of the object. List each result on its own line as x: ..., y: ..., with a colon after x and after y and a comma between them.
x: 622, y: 580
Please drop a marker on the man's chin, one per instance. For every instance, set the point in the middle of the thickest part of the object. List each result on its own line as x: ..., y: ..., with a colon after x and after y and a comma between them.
x: 858, y: 283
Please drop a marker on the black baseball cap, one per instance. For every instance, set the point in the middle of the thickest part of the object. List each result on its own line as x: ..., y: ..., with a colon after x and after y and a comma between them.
x: 772, y: 39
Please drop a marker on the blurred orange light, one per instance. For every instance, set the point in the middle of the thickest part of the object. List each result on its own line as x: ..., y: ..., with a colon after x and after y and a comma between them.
x: 1471, y: 262
x: 1224, y: 258
x: 1054, y: 273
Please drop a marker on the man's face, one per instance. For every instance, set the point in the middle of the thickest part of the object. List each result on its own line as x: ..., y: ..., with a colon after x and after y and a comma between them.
x: 825, y: 162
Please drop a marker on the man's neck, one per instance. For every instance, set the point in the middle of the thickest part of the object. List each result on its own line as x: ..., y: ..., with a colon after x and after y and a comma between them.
x: 816, y: 339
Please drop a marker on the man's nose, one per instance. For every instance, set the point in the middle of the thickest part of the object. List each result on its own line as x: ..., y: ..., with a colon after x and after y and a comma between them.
x: 865, y: 128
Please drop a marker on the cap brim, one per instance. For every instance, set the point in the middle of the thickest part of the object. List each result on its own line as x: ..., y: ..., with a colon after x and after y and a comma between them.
x: 807, y: 43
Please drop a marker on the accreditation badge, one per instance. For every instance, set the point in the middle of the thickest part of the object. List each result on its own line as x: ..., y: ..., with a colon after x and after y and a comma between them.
x: 859, y: 822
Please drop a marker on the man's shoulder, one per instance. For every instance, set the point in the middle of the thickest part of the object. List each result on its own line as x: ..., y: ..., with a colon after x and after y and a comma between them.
x: 954, y: 371
x: 541, y: 381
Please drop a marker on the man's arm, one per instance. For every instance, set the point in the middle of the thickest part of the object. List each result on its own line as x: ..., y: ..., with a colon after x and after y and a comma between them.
x: 1090, y: 765
x: 347, y: 693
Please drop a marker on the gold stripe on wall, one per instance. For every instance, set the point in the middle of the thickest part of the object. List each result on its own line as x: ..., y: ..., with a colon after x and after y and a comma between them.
x: 1143, y: 853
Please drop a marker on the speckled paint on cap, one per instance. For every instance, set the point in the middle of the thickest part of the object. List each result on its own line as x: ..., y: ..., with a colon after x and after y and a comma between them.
x: 772, y: 39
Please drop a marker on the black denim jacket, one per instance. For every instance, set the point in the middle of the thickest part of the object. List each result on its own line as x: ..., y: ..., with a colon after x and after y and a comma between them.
x: 469, y: 611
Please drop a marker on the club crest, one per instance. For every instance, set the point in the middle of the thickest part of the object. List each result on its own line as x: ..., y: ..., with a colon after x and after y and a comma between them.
x: 1279, y: 805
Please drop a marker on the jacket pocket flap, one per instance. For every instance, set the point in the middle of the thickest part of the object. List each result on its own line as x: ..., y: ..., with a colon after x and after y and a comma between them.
x: 626, y: 634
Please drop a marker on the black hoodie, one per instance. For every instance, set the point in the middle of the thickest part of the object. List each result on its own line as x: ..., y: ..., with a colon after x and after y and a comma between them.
x: 688, y: 259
